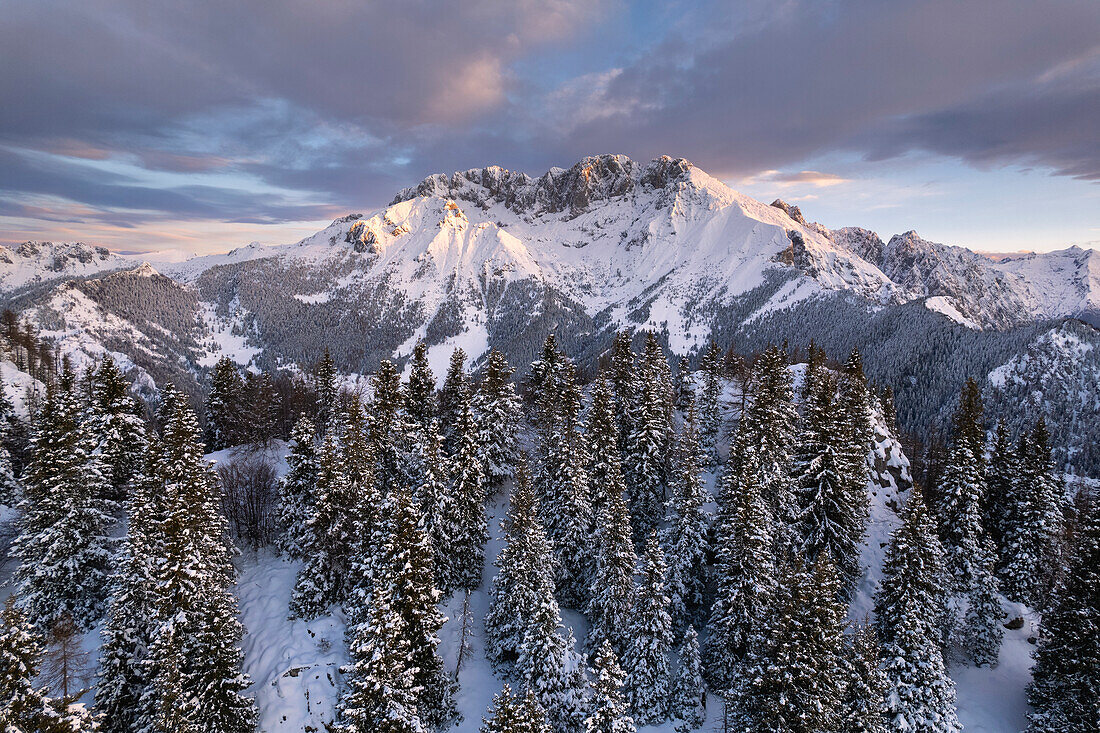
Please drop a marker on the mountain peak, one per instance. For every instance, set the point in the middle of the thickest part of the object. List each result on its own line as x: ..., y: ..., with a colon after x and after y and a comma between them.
x: 792, y: 211
x: 569, y: 191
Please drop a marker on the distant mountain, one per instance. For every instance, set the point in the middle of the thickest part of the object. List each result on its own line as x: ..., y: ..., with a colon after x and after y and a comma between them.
x: 495, y: 258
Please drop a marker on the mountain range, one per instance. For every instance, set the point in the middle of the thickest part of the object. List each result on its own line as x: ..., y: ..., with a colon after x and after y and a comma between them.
x: 492, y: 258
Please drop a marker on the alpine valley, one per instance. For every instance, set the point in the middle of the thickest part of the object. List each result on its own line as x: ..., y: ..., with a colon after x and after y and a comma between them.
x: 492, y: 258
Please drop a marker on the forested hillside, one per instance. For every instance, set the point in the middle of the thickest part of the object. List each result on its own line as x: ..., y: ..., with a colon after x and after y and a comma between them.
x: 737, y: 544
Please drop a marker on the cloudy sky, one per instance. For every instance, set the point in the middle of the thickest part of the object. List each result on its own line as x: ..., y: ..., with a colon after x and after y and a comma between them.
x: 147, y: 125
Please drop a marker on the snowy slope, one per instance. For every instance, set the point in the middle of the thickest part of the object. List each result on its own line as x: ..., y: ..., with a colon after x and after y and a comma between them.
x: 1064, y: 282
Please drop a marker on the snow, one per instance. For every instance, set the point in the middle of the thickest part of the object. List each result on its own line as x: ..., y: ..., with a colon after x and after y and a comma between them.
x: 17, y: 385
x: 942, y: 304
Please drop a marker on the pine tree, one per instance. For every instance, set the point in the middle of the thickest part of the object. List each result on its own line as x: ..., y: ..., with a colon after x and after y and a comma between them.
x: 686, y: 535
x: 64, y: 548
x: 119, y: 429
x: 791, y: 679
x: 1034, y: 523
x: 744, y: 574
x: 984, y: 617
x: 511, y: 713
x: 608, y: 713
x: 687, y: 687
x: 889, y: 410
x: 1065, y: 688
x: 297, y: 500
x: 420, y: 390
x: 10, y: 487
x: 908, y: 606
x: 124, y: 677
x: 612, y: 591
x: 261, y: 407
x: 498, y: 413
x: 328, y: 535
x: 324, y: 377
x: 649, y: 440
x: 525, y: 574
x: 467, y: 524
x: 646, y: 659
x: 225, y: 405
x: 863, y: 708
x: 22, y: 706
x: 194, y: 658
x: 708, y: 403
x: 828, y: 517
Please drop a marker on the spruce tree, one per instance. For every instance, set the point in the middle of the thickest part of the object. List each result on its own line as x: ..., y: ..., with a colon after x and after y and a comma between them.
x: 561, y: 480
x: 744, y: 573
x: 708, y: 403
x: 329, y: 533
x: 525, y: 574
x: 381, y: 694
x: 24, y: 707
x: 908, y: 606
x: 297, y: 499
x: 649, y: 440
x: 552, y: 670
x: 686, y: 534
x: 828, y: 515
x: 999, y: 500
x: 324, y: 378
x: 863, y: 707
x: 453, y: 396
x: 389, y: 430
x: 1065, y: 688
x: 607, y: 711
x: 225, y: 417
x: 511, y: 713
x: 612, y: 591
x: 119, y: 429
x: 1034, y: 523
x: 687, y: 687
x: 420, y: 390
x: 984, y: 624
x: 624, y: 386
x: 685, y: 385
x: 124, y: 679
x: 64, y: 548
x: 435, y: 501
x: 467, y: 525
x: 11, y: 490
x: 498, y: 413
x: 961, y: 490
x: 646, y: 659
x: 767, y: 431
x: 194, y: 655
x: 792, y: 676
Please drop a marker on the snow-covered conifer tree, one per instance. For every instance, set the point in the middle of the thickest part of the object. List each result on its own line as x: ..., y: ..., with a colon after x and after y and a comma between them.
x: 1065, y: 689
x: 908, y: 608
x: 297, y: 489
x: 607, y: 710
x: 225, y: 405
x: 744, y: 573
x: 117, y: 426
x: 511, y: 713
x: 708, y: 403
x: 646, y: 659
x: 64, y: 546
x: 863, y: 707
x: 498, y: 413
x: 466, y: 523
x: 686, y: 533
x: 420, y: 390
x: 687, y: 686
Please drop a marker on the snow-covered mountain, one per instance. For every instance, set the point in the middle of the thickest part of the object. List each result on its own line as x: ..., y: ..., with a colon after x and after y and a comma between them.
x: 495, y: 258
x: 36, y: 262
